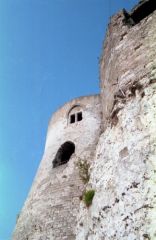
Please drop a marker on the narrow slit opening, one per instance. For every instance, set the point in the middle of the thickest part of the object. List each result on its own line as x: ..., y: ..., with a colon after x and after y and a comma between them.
x: 79, y: 116
x: 72, y: 118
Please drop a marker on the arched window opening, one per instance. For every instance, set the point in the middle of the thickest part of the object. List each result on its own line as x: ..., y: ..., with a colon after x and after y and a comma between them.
x: 76, y: 117
x: 63, y: 154
x: 75, y: 114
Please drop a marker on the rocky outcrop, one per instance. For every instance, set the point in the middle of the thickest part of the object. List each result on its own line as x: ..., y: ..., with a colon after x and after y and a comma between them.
x: 123, y: 176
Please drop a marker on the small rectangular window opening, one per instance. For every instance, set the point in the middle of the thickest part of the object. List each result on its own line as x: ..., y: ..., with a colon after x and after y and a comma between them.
x: 72, y: 118
x: 79, y: 116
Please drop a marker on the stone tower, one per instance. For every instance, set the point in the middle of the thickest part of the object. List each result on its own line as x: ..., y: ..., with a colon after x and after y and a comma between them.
x: 51, y: 208
x: 116, y: 132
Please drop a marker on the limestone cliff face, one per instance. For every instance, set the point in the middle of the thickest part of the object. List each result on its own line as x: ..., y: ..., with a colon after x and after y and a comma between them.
x: 122, y: 157
x: 123, y: 174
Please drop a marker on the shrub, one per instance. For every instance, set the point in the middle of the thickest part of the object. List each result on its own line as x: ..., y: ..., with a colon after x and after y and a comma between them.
x: 88, y: 197
x: 83, y: 167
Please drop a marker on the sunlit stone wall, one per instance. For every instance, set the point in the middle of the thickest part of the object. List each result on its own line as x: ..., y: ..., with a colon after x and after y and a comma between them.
x: 51, y: 208
x: 124, y: 170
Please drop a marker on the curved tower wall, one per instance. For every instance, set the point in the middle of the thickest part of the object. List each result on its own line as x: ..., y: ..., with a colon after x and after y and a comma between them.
x: 51, y: 208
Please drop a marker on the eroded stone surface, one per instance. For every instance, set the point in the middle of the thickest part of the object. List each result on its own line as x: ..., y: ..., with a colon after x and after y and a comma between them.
x: 51, y: 208
x: 124, y: 175
x: 127, y: 58
x: 124, y: 170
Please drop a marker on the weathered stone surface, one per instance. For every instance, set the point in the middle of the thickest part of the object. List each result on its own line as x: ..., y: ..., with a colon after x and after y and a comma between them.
x: 126, y: 60
x: 124, y: 175
x: 124, y: 170
x: 52, y: 205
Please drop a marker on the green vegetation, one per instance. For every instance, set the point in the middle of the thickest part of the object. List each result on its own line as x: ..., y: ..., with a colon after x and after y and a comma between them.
x: 83, y: 167
x: 88, y: 197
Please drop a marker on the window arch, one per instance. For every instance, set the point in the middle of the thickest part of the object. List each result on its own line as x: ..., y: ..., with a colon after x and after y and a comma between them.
x: 75, y: 114
x: 64, y: 153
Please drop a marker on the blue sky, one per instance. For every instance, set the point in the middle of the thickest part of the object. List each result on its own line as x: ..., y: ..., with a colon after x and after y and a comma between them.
x: 49, y: 54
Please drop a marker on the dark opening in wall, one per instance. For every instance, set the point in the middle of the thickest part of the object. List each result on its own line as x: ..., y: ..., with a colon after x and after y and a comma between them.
x: 143, y: 9
x: 128, y: 20
x: 63, y: 154
x: 79, y: 116
x: 75, y: 117
x: 72, y: 118
x: 75, y: 114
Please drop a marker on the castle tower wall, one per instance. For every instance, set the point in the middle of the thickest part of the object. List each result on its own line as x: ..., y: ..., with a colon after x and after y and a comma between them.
x: 128, y: 58
x: 51, y: 208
